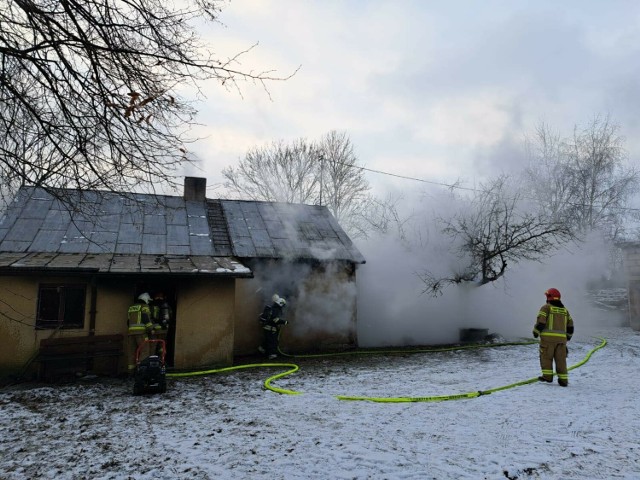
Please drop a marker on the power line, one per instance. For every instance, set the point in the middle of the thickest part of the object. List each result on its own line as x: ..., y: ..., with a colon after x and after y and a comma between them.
x: 470, y: 189
x: 431, y: 182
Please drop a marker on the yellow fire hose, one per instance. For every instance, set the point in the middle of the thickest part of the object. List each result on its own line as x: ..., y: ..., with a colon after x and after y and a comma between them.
x: 292, y: 368
x: 267, y: 383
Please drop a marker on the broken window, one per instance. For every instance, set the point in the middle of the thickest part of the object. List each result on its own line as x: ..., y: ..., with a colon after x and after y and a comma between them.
x: 61, y: 306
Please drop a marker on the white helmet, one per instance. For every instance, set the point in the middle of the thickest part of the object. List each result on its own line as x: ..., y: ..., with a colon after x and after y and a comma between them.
x: 278, y: 300
x: 145, y: 297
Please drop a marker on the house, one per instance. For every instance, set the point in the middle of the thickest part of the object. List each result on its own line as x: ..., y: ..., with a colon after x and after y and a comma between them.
x: 632, y: 266
x: 74, y: 272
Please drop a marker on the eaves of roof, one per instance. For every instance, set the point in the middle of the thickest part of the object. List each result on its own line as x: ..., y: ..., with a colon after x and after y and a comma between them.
x: 109, y: 263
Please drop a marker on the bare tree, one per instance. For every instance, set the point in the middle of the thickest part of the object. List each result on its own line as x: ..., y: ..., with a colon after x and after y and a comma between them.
x: 550, y: 189
x: 90, y: 90
x: 583, y: 180
x: 383, y: 216
x: 492, y: 233
x: 277, y: 173
x: 344, y: 188
x: 325, y: 173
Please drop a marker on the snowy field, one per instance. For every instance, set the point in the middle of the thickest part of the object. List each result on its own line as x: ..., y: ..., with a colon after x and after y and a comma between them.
x: 229, y: 426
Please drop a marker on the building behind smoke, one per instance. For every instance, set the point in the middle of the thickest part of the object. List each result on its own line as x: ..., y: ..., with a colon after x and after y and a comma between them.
x: 632, y: 268
x: 301, y: 253
x: 74, y: 273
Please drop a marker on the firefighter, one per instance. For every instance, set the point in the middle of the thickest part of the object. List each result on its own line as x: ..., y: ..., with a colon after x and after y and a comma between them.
x: 161, y: 314
x: 554, y: 326
x: 140, y: 326
x: 162, y: 311
x: 272, y: 320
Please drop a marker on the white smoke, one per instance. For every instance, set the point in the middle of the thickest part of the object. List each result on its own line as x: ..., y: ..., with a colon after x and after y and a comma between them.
x: 393, y: 311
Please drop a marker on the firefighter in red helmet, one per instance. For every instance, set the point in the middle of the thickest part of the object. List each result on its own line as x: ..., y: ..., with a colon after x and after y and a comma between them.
x: 554, y: 326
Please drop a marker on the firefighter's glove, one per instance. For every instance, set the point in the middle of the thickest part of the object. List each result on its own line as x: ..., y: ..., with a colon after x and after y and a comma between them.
x: 535, y: 334
x: 568, y: 337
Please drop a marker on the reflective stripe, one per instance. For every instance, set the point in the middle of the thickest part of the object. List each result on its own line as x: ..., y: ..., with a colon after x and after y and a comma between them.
x: 137, y: 327
x: 136, y: 313
x: 555, y: 314
x: 556, y: 322
x: 553, y: 334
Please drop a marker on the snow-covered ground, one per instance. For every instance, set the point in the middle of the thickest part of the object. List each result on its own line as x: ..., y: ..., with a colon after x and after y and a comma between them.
x: 228, y: 426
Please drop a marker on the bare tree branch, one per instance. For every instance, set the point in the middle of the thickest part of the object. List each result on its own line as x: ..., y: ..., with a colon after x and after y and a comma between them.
x: 583, y: 180
x: 326, y: 173
x: 90, y: 90
x: 494, y: 232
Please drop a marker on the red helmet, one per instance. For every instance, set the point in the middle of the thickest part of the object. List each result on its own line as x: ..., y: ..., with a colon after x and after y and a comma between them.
x: 553, y: 294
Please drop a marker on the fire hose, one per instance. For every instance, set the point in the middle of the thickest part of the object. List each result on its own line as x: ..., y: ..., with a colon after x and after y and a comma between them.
x: 292, y: 368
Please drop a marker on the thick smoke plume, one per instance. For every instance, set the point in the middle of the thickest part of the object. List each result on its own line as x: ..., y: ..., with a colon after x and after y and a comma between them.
x: 393, y: 311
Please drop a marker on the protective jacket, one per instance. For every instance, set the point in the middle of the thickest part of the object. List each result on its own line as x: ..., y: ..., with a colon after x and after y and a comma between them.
x: 139, y: 318
x: 554, y: 326
x: 271, y: 319
x: 553, y: 322
x: 162, y: 313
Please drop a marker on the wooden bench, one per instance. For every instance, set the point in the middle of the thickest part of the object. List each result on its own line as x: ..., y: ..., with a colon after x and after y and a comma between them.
x: 65, y: 357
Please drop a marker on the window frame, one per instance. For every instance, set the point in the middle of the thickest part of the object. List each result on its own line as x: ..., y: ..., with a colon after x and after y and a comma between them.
x: 61, y: 288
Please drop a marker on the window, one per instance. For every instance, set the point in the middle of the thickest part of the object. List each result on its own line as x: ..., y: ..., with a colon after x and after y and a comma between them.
x: 61, y: 306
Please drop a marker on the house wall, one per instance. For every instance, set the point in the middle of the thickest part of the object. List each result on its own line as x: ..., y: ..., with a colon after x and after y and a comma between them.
x: 321, y: 306
x: 204, y: 318
x: 18, y: 304
x: 204, y: 323
x: 249, y: 302
x: 632, y: 266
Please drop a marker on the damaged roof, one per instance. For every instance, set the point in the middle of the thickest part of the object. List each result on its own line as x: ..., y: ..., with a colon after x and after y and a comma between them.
x: 287, y: 230
x: 141, y: 233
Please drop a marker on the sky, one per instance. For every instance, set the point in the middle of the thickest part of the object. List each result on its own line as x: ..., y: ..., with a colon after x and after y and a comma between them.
x: 227, y: 426
x: 440, y: 91
x: 436, y: 90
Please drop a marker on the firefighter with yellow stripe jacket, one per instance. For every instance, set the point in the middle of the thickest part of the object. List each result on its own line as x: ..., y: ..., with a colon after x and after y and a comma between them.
x: 140, y: 326
x: 554, y: 326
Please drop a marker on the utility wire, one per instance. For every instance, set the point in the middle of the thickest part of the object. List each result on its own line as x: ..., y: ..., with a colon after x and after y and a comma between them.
x: 431, y: 182
x: 470, y: 189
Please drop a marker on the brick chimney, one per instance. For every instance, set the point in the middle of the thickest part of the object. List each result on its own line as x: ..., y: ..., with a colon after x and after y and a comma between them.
x: 195, y: 189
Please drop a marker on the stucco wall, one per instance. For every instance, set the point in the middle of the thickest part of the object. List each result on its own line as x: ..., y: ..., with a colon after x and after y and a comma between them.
x: 112, y: 302
x: 204, y: 318
x: 321, y: 308
x: 204, y: 323
x: 632, y: 266
x: 18, y: 304
x: 249, y: 302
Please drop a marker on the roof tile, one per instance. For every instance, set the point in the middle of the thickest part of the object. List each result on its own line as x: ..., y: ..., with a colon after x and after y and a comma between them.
x: 128, y: 232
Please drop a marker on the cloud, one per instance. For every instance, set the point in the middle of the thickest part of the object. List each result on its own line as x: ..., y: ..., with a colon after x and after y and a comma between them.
x: 481, y: 116
x: 434, y: 90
